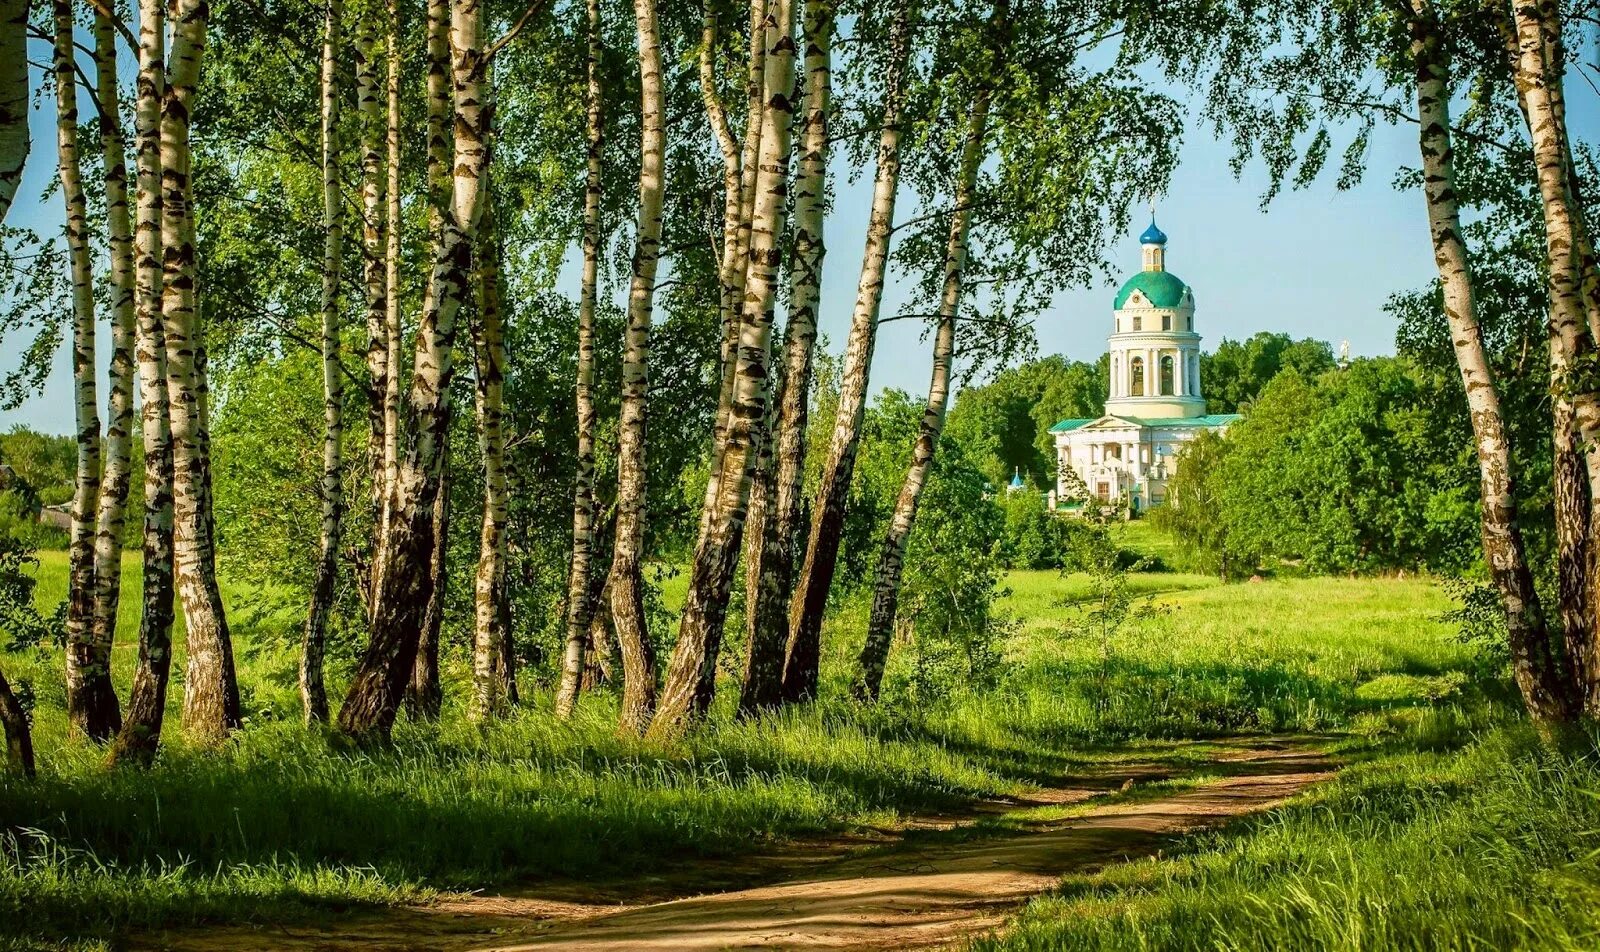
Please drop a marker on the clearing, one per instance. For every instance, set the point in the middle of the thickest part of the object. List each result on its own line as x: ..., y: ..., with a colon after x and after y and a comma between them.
x: 941, y: 879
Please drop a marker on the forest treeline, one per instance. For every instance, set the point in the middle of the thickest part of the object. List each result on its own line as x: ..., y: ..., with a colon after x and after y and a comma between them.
x: 364, y: 206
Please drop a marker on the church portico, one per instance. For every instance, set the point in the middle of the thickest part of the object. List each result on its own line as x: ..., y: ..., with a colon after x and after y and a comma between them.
x: 1155, y: 402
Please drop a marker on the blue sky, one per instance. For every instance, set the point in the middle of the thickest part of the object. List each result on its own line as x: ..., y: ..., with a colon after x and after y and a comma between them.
x: 1316, y: 263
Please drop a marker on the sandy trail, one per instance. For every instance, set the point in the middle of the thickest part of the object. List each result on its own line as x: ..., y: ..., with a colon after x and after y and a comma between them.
x: 935, y: 888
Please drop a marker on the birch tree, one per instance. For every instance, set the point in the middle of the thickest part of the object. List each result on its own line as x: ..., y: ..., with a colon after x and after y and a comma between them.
x: 627, y: 582
x: 580, y: 604
x: 91, y: 702
x: 393, y: 333
x: 424, y: 693
x: 740, y: 169
x: 14, y: 138
x: 774, y: 542
x: 891, y: 559
x: 407, y: 586
x: 114, y: 480
x: 489, y: 605
x: 211, y: 690
x: 372, y: 126
x: 1503, y: 547
x: 690, y: 677
x: 141, y: 728
x: 803, y: 651
x: 313, y: 692
x: 14, y: 146
x: 1538, y: 63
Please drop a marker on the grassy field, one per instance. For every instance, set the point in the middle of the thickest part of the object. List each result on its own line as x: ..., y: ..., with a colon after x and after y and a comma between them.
x: 283, y: 823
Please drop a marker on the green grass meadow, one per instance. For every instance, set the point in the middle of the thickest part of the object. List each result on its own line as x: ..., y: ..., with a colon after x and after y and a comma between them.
x: 1422, y: 838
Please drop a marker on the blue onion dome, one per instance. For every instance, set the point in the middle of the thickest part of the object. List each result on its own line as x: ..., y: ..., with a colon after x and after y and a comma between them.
x: 1153, y: 235
x: 1016, y: 479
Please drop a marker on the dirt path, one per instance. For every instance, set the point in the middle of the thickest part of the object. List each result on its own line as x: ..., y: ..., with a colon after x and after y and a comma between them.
x: 936, y: 887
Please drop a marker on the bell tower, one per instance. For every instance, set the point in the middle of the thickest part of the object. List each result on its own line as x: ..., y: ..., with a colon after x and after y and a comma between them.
x: 1155, y: 352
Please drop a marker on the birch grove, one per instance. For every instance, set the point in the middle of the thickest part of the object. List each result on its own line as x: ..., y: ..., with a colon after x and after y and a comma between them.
x: 646, y: 327
x: 685, y: 695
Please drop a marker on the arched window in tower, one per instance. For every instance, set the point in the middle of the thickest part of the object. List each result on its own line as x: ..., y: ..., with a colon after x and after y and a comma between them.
x: 1136, y: 366
x: 1166, y: 375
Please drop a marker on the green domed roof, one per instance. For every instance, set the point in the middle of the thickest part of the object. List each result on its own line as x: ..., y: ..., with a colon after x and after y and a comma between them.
x: 1163, y: 288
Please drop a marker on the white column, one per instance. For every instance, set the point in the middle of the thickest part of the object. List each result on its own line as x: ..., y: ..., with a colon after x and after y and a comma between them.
x: 1180, y: 373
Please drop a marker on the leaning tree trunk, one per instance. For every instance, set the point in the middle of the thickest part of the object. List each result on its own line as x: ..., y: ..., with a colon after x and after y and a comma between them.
x: 141, y: 728
x: 91, y: 701
x: 1537, y: 64
x: 14, y: 139
x: 489, y: 586
x: 833, y: 485
x: 891, y: 559
x: 580, y: 607
x: 371, y: 123
x: 772, y: 557
x: 313, y: 691
x: 627, y: 582
x: 210, y: 688
x: 407, y: 586
x: 114, y: 481
x: 694, y: 658
x: 1533, y: 663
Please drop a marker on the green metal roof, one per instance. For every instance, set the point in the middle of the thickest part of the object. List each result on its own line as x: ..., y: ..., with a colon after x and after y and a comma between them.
x: 1163, y: 288
x: 1209, y: 419
x: 1066, y: 426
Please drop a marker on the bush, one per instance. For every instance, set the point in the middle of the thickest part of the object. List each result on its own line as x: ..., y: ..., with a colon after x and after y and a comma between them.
x: 20, y: 521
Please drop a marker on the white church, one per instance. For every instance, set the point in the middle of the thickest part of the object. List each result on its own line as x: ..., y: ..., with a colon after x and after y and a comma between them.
x: 1126, y: 455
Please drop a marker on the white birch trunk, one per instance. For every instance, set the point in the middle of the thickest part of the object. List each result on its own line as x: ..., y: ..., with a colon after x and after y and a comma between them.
x: 88, y: 673
x: 313, y: 690
x: 114, y: 480
x: 141, y: 728
x: 891, y: 558
x: 211, y: 690
x: 580, y: 606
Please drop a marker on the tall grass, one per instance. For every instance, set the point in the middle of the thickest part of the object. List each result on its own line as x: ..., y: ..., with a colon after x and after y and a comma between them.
x: 1493, y: 847
x: 282, y: 819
